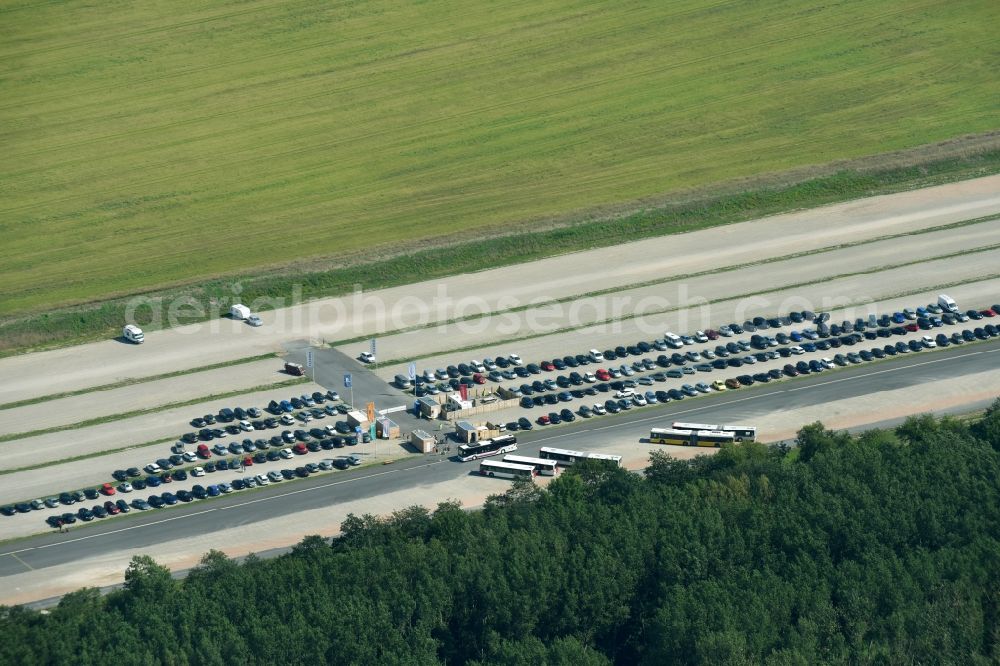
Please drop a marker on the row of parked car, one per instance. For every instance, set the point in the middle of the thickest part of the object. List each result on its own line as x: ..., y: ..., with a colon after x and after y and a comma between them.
x: 546, y: 392
x: 197, y: 492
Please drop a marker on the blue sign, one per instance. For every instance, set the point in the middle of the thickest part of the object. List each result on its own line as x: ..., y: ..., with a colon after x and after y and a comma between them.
x: 358, y: 430
x: 373, y: 346
x: 347, y: 380
x: 309, y: 359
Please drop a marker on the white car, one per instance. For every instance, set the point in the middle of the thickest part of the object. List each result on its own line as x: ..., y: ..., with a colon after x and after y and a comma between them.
x: 331, y: 429
x: 287, y: 419
x: 515, y: 359
x: 928, y: 342
x: 639, y: 400
x: 725, y: 331
x: 275, y: 476
x: 286, y: 453
x: 797, y: 350
x: 225, y: 488
x: 262, y: 480
x: 487, y: 362
x: 198, y: 471
x: 254, y: 320
x: 245, y: 426
x: 590, y: 378
x: 827, y: 363
x: 700, y: 336
x: 367, y: 357
x: 152, y: 468
x: 477, y: 366
x: 599, y: 409
x: 125, y: 487
x: 596, y: 356
x: 625, y: 393
x: 189, y: 456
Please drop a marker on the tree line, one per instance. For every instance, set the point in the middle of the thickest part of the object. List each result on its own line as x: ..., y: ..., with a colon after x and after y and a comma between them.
x: 880, y: 548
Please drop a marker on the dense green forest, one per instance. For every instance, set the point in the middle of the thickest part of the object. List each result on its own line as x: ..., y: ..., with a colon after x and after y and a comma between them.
x: 879, y: 549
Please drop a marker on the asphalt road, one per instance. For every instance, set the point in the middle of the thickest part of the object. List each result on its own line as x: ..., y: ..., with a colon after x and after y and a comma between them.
x: 146, y: 531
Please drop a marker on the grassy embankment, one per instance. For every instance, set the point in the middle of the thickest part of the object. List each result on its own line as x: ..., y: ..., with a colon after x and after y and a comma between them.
x: 154, y: 149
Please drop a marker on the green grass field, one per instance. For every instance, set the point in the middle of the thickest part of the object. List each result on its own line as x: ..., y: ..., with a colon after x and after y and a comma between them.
x: 150, y: 144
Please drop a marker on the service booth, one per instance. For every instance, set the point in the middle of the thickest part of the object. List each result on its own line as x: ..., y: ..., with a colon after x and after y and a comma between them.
x: 423, y: 441
x: 428, y: 408
x: 386, y: 428
x: 469, y: 433
x: 357, y: 419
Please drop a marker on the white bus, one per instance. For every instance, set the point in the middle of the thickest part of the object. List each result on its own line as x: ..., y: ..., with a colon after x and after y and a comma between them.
x: 506, y: 470
x: 565, y: 457
x: 679, y: 437
x: 741, y: 433
x: 487, y: 447
x: 544, y: 467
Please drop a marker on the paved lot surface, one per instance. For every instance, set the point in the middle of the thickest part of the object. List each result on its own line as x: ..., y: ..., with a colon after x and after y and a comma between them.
x: 628, y: 264
x: 866, y: 294
x: 123, y: 439
x: 45, y: 566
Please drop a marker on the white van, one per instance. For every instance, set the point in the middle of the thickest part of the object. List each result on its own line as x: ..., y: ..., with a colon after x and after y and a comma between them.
x: 947, y: 303
x: 133, y: 333
x: 239, y: 311
x: 673, y: 340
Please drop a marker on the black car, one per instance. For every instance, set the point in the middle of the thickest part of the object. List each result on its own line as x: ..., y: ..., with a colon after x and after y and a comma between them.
x: 533, y: 368
x: 156, y: 502
x: 240, y: 413
x: 567, y: 415
x: 236, y: 483
x: 774, y: 373
x: 524, y: 423
x: 199, y: 491
x: 890, y: 350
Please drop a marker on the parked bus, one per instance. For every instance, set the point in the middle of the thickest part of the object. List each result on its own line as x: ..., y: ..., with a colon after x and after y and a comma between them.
x: 741, y: 433
x: 566, y: 457
x: 690, y: 437
x: 506, y: 470
x: 542, y: 466
x: 487, y: 447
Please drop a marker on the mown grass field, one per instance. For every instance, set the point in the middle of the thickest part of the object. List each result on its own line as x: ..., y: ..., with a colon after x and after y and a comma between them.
x: 150, y: 144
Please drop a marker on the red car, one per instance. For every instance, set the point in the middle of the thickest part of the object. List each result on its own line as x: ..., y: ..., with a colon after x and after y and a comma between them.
x: 478, y: 378
x: 112, y: 508
x: 543, y: 420
x: 712, y: 334
x: 911, y: 327
x: 547, y: 366
x: 203, y: 451
x: 248, y: 461
x: 299, y: 449
x: 602, y: 374
x: 987, y: 313
x: 107, y: 489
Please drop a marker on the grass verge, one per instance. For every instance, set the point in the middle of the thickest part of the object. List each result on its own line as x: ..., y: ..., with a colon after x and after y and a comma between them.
x: 152, y: 410
x: 103, y: 320
x: 132, y: 382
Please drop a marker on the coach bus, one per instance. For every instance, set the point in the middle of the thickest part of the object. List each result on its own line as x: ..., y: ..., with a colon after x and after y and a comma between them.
x: 690, y: 437
x: 566, y: 457
x: 487, y: 447
x: 741, y: 433
x: 506, y: 470
x: 542, y: 466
